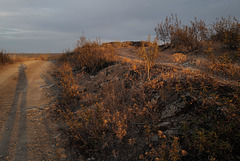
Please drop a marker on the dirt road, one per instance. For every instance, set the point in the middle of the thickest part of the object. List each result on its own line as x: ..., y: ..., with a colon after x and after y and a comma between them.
x: 25, y: 131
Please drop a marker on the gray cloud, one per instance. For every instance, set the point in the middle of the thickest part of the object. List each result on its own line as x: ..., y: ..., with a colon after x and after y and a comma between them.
x: 34, y: 25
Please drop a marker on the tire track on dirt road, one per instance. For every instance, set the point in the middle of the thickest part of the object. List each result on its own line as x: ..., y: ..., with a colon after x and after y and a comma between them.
x: 25, y: 131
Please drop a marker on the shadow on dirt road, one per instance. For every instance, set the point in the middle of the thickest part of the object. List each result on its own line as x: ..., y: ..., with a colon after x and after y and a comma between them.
x: 19, y: 102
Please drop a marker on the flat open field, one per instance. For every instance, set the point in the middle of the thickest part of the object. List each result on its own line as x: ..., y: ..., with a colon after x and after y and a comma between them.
x: 45, y: 56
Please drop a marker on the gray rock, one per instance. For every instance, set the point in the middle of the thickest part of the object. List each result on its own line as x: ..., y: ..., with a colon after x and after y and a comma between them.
x: 171, y: 132
x: 89, y: 159
x: 164, y: 126
x: 173, y: 109
x: 154, y: 138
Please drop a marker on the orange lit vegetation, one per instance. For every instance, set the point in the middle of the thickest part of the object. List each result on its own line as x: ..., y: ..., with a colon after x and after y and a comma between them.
x: 9, y: 58
x: 185, y: 106
x: 149, y: 54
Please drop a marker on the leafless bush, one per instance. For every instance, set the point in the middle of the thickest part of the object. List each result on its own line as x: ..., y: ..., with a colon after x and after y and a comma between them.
x: 226, y: 31
x: 4, y: 58
x: 182, y: 37
x: 164, y: 30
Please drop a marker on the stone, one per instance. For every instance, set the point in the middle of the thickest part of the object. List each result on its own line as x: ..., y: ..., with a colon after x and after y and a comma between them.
x: 173, y: 109
x: 92, y: 158
x: 154, y: 138
x: 171, y: 132
x: 164, y: 126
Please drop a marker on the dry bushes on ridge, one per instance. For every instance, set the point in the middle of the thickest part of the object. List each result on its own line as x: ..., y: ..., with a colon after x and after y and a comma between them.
x: 126, y: 110
x: 90, y: 56
x: 121, y: 114
x: 193, y: 37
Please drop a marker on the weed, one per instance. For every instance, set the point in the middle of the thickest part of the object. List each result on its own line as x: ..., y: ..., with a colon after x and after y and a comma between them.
x: 149, y: 54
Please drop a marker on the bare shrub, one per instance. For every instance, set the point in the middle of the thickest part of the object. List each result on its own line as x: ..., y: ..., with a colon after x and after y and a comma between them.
x: 226, y: 31
x: 164, y: 30
x: 4, y: 58
x: 182, y: 37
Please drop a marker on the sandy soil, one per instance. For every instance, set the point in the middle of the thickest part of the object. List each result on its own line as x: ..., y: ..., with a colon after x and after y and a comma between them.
x: 26, y: 133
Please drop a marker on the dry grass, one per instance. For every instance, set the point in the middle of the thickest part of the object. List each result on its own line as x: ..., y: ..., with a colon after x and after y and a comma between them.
x: 90, y: 56
x: 179, y: 58
x: 8, y: 58
x: 181, y: 111
x: 36, y: 56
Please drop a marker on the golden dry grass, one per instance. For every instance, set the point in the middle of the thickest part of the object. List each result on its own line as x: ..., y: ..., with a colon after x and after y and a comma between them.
x: 119, y: 106
x: 6, y: 58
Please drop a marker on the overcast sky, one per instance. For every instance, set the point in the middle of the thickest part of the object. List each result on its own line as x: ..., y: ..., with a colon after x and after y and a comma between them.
x: 55, y: 25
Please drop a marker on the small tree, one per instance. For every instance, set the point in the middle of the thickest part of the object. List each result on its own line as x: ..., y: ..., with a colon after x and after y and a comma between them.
x: 149, y: 54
